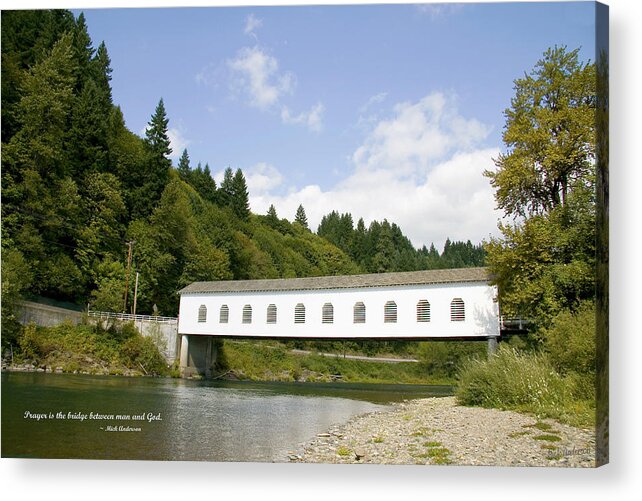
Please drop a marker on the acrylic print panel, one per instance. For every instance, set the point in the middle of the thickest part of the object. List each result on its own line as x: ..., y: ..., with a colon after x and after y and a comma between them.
x: 326, y: 234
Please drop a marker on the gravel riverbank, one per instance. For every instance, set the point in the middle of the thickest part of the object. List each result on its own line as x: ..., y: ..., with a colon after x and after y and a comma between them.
x: 438, y: 431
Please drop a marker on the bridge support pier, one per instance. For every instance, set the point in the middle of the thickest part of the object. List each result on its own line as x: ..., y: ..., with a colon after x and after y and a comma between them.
x: 493, y: 341
x: 198, y: 356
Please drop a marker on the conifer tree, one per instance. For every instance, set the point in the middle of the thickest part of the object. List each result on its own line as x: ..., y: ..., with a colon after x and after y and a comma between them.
x: 156, y: 176
x: 300, y: 217
x: 83, y: 51
x: 156, y: 134
x: 226, y: 191
x: 240, y: 202
x: 102, y: 72
x: 207, y: 185
x: 271, y: 213
x: 183, y: 166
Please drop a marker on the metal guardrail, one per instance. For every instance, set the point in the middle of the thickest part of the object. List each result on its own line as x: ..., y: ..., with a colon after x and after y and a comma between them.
x: 513, y: 323
x: 129, y: 316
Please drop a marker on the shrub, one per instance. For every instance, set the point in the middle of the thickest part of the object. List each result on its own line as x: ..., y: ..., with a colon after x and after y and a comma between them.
x: 90, y: 347
x: 443, y: 358
x: 511, y: 379
x: 570, y: 341
x: 29, y: 342
x: 142, y: 351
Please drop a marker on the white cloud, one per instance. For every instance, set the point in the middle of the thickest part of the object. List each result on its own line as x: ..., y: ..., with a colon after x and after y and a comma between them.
x: 422, y: 169
x: 438, y: 10
x: 418, y: 135
x: 251, y: 24
x: 372, y: 100
x: 209, y: 75
x: 262, y: 178
x: 256, y: 73
x: 178, y: 142
x: 455, y: 200
x: 311, y: 119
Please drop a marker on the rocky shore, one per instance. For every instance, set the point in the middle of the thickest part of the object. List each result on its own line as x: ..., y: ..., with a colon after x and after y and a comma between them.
x: 90, y: 367
x: 438, y: 431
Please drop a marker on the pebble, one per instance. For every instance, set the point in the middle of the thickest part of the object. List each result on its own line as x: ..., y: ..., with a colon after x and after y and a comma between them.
x: 438, y: 431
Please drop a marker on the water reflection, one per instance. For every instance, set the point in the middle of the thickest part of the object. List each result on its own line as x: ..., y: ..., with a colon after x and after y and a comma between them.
x: 201, y: 420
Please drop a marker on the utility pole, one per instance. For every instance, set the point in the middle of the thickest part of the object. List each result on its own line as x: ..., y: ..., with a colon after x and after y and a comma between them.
x: 129, y: 266
x: 135, y: 294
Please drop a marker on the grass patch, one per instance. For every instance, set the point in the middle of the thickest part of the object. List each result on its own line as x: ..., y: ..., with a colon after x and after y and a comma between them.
x: 517, y: 434
x: 272, y: 361
x: 377, y: 440
x: 540, y: 425
x: 524, y: 382
x: 548, y: 438
x: 548, y: 447
x: 343, y: 451
x: 437, y: 453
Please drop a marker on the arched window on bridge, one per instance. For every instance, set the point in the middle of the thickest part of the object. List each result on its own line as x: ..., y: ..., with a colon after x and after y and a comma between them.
x: 247, y: 314
x: 359, y: 313
x: 327, y: 313
x: 423, y: 311
x: 271, y: 314
x: 202, y: 313
x: 299, y: 314
x: 224, y: 314
x: 457, y: 310
x: 390, y: 313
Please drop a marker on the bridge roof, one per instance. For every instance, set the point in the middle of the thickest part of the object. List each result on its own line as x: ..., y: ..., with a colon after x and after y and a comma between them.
x: 458, y: 275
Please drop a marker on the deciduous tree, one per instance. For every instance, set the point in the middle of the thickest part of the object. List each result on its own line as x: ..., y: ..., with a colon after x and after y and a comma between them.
x: 549, y: 136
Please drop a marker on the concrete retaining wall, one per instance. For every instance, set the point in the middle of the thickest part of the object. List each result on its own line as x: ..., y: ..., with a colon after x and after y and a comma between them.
x: 45, y: 315
x: 164, y: 333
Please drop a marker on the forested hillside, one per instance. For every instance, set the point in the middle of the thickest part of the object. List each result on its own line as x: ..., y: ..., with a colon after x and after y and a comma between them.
x: 79, y: 190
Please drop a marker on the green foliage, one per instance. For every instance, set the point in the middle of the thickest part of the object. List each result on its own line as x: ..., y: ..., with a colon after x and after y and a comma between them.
x: 142, y: 351
x: 183, y: 166
x: 204, y: 183
x: 27, y: 35
x: 549, y: 134
x: 271, y: 361
x: 571, y: 346
x: 511, y: 379
x: 526, y: 382
x: 444, y: 359
x: 300, y: 217
x: 110, y: 280
x: 155, y: 175
x: 240, y: 198
x: 570, y: 340
x: 383, y: 247
x: 16, y: 280
x: 90, y: 348
x: 544, y: 263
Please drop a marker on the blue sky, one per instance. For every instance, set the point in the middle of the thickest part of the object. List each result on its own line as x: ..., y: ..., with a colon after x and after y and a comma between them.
x: 384, y: 111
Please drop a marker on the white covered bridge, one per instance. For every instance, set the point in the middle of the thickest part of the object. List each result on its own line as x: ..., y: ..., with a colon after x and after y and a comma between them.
x: 433, y: 304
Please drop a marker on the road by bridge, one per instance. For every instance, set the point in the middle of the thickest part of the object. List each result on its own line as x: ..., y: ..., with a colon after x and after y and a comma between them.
x: 388, y: 360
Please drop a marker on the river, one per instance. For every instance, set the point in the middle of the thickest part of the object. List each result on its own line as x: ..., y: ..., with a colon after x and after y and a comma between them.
x: 111, y: 417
